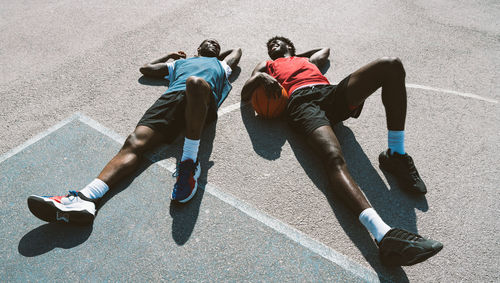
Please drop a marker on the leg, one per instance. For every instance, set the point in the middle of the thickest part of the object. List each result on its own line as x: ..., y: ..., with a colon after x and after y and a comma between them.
x: 126, y: 160
x: 76, y: 207
x: 389, y: 74
x: 323, y: 139
x: 396, y: 246
x: 198, y: 93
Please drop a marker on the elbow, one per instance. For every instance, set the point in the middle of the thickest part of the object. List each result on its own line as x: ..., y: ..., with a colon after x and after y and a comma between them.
x: 246, y: 93
x: 239, y: 52
x: 237, y: 58
x: 144, y: 69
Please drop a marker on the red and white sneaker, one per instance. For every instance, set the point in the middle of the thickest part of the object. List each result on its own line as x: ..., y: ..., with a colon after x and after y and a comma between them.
x: 187, y: 174
x: 73, y: 208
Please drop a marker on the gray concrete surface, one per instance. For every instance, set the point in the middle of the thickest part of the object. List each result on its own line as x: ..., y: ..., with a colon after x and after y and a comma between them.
x: 61, y: 57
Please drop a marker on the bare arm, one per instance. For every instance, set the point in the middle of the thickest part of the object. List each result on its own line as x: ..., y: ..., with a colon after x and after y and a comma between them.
x: 158, y: 68
x: 231, y: 57
x: 260, y: 77
x: 317, y: 56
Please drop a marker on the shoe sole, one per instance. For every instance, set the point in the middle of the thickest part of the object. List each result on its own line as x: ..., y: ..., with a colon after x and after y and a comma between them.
x: 47, y: 211
x: 416, y: 259
x: 197, y: 174
x: 422, y: 257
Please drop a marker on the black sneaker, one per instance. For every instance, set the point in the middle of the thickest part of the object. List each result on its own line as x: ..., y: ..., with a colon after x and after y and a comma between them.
x: 403, y: 168
x: 400, y: 247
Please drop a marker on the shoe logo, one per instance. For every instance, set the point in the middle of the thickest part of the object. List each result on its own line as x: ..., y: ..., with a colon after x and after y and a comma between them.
x: 62, y: 216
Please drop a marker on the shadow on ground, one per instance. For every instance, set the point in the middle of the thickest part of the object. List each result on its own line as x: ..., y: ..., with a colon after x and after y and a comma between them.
x: 395, y: 206
x: 153, y: 81
x: 49, y: 236
x: 46, y: 237
x: 184, y: 216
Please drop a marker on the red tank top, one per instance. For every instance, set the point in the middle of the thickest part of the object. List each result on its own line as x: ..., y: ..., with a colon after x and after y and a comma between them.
x: 294, y: 72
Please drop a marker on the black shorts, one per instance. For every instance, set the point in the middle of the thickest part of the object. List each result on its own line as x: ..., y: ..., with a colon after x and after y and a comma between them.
x: 167, y: 115
x: 312, y: 107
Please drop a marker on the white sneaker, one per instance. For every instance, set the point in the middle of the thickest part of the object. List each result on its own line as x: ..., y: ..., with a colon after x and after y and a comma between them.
x: 73, y: 208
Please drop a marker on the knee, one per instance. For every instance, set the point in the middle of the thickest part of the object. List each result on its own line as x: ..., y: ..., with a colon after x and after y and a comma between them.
x: 197, y: 86
x: 334, y: 159
x: 134, y: 144
x: 392, y: 66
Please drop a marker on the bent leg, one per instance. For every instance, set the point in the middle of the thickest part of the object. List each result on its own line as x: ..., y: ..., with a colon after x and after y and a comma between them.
x: 198, y: 93
x: 389, y: 74
x: 323, y: 139
x: 127, y: 159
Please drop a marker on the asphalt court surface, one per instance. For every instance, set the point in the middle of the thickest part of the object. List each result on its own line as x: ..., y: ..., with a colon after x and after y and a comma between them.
x: 64, y: 57
x: 143, y: 236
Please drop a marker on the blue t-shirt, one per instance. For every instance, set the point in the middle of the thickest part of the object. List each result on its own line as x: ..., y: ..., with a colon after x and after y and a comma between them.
x: 208, y: 68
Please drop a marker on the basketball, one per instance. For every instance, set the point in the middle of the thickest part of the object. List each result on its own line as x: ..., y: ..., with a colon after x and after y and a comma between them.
x: 268, y: 107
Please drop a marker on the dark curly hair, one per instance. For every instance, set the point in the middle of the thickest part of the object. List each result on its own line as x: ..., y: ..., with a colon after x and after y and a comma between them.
x: 285, y: 40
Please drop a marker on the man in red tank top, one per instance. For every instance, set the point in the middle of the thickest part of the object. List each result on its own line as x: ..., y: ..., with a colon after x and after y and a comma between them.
x: 314, y: 105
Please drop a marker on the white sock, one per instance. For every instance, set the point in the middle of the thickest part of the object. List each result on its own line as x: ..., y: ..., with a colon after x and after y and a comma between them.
x: 190, y: 150
x: 96, y: 189
x: 373, y: 223
x: 396, y: 141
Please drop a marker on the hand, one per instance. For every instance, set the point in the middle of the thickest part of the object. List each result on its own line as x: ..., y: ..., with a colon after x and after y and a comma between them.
x: 272, y: 86
x: 178, y: 55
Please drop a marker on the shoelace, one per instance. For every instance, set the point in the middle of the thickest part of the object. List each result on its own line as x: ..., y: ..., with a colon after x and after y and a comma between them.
x: 407, y: 235
x: 72, y: 195
x: 411, y: 168
x: 182, y: 171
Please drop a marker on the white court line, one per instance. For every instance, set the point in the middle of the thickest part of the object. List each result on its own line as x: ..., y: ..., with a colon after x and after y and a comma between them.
x: 464, y: 94
x: 224, y: 110
x: 275, y: 224
x: 36, y: 138
x: 296, y: 235
x: 230, y: 108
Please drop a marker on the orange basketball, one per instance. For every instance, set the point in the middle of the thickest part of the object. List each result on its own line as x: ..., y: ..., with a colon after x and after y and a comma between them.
x: 268, y: 107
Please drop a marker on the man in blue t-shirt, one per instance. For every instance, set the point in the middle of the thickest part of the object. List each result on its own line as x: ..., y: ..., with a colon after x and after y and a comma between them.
x: 197, y: 88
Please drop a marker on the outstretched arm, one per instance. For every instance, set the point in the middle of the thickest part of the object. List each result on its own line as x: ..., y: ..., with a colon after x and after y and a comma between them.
x: 317, y: 56
x: 158, y: 68
x: 231, y: 57
x: 260, y: 77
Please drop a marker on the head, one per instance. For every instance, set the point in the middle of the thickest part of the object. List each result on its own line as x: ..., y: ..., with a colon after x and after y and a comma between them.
x: 280, y: 46
x: 209, y: 48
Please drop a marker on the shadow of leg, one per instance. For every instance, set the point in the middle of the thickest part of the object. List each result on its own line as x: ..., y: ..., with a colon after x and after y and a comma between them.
x: 184, y: 216
x: 361, y: 169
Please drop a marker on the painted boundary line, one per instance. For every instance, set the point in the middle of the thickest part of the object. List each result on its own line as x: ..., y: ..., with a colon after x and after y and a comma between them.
x: 36, y: 138
x: 463, y: 94
x: 275, y: 224
x: 237, y: 105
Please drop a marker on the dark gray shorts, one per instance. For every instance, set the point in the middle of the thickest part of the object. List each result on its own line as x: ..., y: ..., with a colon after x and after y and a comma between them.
x: 167, y: 115
x: 312, y: 107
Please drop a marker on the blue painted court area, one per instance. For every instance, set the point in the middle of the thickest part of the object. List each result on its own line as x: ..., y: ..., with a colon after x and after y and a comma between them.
x: 138, y: 234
